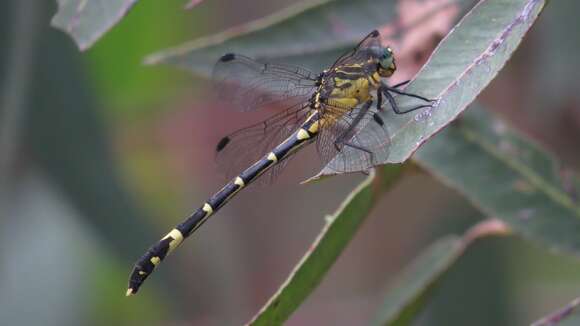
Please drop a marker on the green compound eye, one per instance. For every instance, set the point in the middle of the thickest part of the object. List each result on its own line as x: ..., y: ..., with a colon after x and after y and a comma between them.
x: 386, y: 58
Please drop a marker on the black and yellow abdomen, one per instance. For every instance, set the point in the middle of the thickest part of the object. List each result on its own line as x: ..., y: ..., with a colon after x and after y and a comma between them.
x: 157, y: 253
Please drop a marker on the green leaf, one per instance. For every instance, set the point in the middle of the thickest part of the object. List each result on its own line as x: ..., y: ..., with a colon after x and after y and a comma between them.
x: 311, y: 34
x: 463, y: 64
x: 404, y: 302
x: 506, y: 177
x: 88, y: 20
x: 339, y: 229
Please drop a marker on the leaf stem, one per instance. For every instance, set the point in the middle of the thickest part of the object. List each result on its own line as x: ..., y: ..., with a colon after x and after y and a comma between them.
x: 559, y: 315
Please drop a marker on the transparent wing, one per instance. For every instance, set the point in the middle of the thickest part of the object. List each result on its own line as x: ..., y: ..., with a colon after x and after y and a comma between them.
x: 249, y: 85
x: 244, y: 147
x: 362, y: 52
x: 353, y: 140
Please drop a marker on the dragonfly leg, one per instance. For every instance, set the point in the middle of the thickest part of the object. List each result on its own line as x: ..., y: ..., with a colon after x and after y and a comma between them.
x: 385, y: 91
x: 346, y: 136
x: 394, y: 90
x: 403, y: 83
x: 340, y: 143
x: 364, y: 149
x: 379, y: 100
x: 355, y: 146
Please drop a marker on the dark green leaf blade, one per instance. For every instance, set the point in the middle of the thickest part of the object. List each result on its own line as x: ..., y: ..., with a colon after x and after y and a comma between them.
x: 86, y: 21
x: 460, y: 68
x: 400, y: 306
x: 404, y: 302
x: 331, y: 241
x: 506, y: 177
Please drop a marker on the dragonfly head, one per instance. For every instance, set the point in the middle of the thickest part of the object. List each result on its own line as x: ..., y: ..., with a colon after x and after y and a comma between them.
x: 386, y: 66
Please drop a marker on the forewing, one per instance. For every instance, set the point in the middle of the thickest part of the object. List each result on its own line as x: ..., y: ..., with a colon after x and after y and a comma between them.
x: 353, y: 140
x: 248, y: 84
x: 361, y: 52
x: 246, y: 146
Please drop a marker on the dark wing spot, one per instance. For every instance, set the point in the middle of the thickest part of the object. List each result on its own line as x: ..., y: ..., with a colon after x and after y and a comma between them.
x: 374, y: 33
x: 222, y: 143
x: 227, y: 57
x: 378, y: 119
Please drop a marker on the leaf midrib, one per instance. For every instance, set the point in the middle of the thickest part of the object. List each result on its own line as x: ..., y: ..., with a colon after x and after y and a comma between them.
x: 544, y: 186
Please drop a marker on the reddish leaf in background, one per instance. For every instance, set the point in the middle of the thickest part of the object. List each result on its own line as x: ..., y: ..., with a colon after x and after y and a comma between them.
x: 189, y: 134
x: 414, y: 35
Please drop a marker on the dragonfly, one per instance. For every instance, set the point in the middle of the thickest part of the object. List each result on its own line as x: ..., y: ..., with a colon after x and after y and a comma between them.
x: 338, y: 109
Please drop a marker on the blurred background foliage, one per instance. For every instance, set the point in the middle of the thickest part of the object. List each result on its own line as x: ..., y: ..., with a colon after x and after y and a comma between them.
x: 106, y: 153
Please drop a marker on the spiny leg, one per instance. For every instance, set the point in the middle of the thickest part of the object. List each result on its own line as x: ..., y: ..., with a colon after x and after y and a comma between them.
x: 397, y: 91
x: 355, y: 146
x: 340, y: 140
x: 348, y: 132
x: 385, y: 91
x: 403, y: 83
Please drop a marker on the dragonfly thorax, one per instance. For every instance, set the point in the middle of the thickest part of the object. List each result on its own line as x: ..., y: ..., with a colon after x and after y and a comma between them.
x: 347, y: 86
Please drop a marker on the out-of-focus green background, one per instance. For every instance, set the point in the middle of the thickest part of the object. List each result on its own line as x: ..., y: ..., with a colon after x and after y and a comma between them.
x: 105, y: 155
